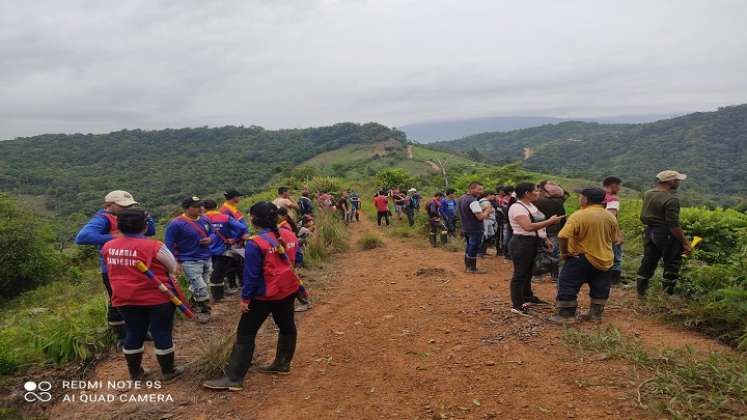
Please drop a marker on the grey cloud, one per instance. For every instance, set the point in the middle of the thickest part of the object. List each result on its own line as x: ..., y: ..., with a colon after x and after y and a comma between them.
x: 83, y: 66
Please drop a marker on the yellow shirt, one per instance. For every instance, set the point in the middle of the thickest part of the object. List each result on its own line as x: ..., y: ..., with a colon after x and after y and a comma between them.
x: 591, y: 231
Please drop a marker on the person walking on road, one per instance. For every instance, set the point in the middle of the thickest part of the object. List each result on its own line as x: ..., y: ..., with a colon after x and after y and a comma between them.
x: 229, y: 232
x: 381, y: 202
x: 472, y: 216
x: 664, y: 238
x: 612, y: 186
x: 270, y: 287
x: 528, y: 226
x: 448, y: 211
x: 437, y: 226
x: 586, y: 247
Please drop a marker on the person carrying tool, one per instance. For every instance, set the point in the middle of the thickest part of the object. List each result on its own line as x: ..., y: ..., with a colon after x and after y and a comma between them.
x: 138, y: 298
x: 663, y: 238
x: 102, y: 228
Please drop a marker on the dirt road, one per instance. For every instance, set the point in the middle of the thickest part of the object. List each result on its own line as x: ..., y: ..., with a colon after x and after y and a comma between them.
x: 403, y: 333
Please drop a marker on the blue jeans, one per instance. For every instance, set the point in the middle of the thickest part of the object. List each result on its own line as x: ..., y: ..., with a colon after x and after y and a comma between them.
x: 474, y: 240
x: 139, y: 319
x: 617, y: 249
x: 577, y: 271
x: 198, y: 275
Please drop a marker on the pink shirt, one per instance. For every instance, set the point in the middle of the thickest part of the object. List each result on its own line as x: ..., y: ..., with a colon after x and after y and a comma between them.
x: 517, y: 209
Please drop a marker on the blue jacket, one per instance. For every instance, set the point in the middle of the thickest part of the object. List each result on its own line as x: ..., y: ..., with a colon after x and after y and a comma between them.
x: 183, y: 240
x: 448, y: 208
x: 230, y: 229
x: 98, y: 232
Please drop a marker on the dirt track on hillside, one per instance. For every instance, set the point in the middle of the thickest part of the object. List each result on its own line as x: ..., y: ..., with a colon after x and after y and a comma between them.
x: 400, y: 332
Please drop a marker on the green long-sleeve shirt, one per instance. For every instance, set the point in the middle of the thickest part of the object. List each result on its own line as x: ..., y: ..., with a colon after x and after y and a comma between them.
x: 660, y: 208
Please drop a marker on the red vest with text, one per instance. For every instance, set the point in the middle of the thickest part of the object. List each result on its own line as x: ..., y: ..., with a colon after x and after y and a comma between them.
x: 280, y: 279
x: 129, y: 285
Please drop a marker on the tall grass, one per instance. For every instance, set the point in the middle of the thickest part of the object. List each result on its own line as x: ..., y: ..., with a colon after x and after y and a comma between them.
x: 681, y: 383
x: 330, y: 237
x: 370, y: 240
x: 56, y: 323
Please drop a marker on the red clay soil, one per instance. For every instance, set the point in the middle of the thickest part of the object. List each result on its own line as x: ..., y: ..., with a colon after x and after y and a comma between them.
x: 403, y: 333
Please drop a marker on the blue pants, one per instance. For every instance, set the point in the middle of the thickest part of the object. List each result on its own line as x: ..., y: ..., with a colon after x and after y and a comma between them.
x: 617, y: 249
x: 198, y: 274
x: 576, y: 272
x: 138, y: 319
x: 474, y: 240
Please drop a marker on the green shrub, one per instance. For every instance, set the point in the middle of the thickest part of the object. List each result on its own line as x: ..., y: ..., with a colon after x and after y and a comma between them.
x: 370, y: 240
x: 329, y: 237
x: 28, y: 257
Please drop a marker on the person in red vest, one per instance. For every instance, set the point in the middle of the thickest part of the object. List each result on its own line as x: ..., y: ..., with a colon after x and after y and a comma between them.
x: 229, y: 231
x: 137, y: 297
x: 101, y: 229
x: 189, y: 236
x: 236, y: 251
x: 270, y: 287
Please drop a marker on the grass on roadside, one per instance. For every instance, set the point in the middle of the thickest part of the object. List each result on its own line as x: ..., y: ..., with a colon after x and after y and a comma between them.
x: 56, y: 323
x: 212, y: 356
x: 681, y: 383
x: 330, y: 237
x: 370, y: 240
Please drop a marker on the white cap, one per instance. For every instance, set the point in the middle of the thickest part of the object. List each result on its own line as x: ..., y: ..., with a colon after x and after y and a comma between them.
x: 120, y: 198
x: 670, y: 175
x: 412, y: 190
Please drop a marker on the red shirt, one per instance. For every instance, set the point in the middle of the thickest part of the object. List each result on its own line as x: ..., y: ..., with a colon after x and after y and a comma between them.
x: 382, y: 203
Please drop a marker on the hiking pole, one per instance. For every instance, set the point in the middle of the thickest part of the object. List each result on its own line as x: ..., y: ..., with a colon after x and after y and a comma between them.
x: 165, y: 290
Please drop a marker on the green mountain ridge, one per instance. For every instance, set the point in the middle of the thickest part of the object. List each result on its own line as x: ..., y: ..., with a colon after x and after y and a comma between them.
x: 160, y: 167
x: 711, y: 147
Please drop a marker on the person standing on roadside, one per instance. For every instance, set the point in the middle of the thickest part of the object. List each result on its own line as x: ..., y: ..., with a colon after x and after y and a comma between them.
x: 188, y: 237
x: 229, y: 232
x: 138, y: 298
x: 472, y: 217
x: 355, y: 206
x: 270, y: 287
x: 230, y: 207
x: 448, y: 211
x: 437, y: 226
x: 664, y: 238
x: 551, y: 203
x: 102, y: 228
x: 612, y: 185
x: 236, y: 251
x: 412, y: 202
x: 508, y: 197
x: 285, y: 201
x: 381, y: 202
x: 305, y: 204
x: 399, y: 202
x: 528, y: 225
x: 586, y: 247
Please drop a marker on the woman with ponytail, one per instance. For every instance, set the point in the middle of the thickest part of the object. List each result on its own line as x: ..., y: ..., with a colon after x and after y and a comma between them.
x: 270, y: 287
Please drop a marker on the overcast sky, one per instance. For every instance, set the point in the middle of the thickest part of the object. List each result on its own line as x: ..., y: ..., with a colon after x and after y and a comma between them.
x: 97, y: 66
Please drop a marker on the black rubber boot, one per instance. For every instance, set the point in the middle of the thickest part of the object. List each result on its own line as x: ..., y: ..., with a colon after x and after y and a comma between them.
x: 135, y: 366
x: 472, y: 266
x: 466, y: 263
x: 565, y: 312
x: 595, y: 312
x: 168, y: 371
x: 432, y: 238
x: 283, y: 357
x: 217, y: 291
x: 444, y: 238
x: 238, y: 365
x: 641, y: 285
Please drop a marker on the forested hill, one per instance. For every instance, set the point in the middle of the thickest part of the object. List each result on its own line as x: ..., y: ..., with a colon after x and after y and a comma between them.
x: 711, y: 147
x: 160, y: 167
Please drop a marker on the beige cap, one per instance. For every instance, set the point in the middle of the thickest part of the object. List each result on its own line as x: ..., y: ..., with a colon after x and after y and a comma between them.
x: 670, y: 175
x: 120, y: 198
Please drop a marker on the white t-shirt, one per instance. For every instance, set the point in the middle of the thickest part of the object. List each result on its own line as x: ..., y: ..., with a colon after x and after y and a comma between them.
x: 517, y: 210
x: 285, y: 203
x: 475, y: 207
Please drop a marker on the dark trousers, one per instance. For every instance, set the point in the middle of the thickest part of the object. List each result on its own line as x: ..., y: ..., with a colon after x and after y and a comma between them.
x: 523, y: 251
x: 139, y: 319
x: 410, y: 213
x: 436, y: 231
x: 382, y: 215
x: 113, y: 317
x: 577, y: 271
x: 474, y: 241
x: 221, y: 267
x: 451, y: 225
x: 259, y: 310
x: 235, y: 272
x: 659, y: 244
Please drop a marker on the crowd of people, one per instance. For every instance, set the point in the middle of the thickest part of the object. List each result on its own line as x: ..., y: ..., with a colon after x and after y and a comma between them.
x: 220, y: 252
x: 528, y: 224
